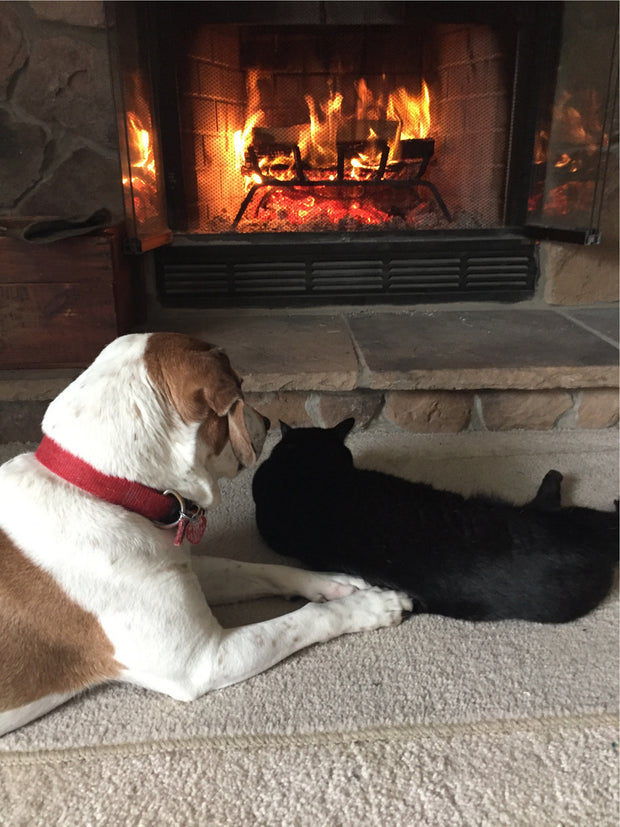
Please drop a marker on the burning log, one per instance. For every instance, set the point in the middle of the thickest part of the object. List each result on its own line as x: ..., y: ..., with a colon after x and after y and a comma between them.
x: 342, y: 152
x: 362, y: 150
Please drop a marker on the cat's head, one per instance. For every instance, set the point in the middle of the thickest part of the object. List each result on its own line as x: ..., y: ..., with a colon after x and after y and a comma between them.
x: 340, y: 431
x: 320, y: 447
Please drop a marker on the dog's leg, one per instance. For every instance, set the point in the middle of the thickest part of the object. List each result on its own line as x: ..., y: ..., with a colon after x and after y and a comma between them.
x: 249, y: 650
x: 231, y: 581
x: 200, y: 656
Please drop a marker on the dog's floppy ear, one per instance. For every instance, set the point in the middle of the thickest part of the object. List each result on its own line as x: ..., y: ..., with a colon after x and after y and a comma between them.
x: 239, y: 436
x: 195, y: 376
x: 220, y: 386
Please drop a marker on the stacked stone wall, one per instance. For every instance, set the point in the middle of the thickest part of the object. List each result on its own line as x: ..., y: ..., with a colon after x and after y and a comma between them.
x: 58, y: 135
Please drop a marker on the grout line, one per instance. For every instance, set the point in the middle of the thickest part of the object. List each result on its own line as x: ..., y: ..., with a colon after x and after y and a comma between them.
x: 608, y: 339
x: 363, y: 371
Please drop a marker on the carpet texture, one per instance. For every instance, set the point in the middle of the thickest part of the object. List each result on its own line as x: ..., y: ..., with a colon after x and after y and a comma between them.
x: 436, y: 722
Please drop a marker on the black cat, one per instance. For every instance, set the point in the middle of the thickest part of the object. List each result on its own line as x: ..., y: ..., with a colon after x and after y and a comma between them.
x: 475, y: 558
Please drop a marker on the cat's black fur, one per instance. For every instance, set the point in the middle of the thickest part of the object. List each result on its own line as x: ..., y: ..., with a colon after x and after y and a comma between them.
x: 476, y: 558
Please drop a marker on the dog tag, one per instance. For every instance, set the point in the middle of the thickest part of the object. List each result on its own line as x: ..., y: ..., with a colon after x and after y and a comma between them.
x: 191, y: 527
x: 196, y: 528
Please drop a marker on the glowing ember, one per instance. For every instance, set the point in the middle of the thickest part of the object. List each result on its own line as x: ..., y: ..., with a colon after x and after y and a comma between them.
x: 298, y: 206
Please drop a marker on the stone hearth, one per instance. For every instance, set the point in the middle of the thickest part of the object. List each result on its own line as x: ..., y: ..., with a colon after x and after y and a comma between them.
x: 422, y: 370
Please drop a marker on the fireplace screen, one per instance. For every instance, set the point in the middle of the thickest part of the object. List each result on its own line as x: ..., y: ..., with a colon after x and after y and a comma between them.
x: 314, y: 128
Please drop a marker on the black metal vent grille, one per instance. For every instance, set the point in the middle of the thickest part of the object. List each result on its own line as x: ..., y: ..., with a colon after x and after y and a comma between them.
x: 307, y: 272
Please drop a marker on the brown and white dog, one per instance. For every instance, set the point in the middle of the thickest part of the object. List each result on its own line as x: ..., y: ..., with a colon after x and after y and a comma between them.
x: 96, y: 581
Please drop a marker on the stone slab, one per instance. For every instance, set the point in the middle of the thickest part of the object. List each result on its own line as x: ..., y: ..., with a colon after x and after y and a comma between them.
x: 459, y: 350
x: 604, y: 320
x: 284, y: 352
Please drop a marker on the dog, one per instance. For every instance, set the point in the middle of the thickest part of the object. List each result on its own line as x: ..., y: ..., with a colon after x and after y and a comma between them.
x: 96, y: 580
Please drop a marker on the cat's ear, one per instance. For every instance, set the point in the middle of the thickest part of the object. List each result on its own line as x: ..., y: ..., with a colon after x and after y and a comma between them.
x: 284, y: 428
x: 344, y: 428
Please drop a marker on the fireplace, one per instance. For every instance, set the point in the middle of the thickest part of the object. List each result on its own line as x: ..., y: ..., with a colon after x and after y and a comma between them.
x: 322, y: 152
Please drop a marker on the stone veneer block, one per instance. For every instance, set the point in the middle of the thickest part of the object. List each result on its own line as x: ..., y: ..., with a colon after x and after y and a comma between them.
x: 74, y: 12
x: 282, y: 352
x: 67, y: 183
x: 462, y: 350
x: 23, y: 154
x: 285, y: 407
x: 509, y: 410
x: 579, y: 275
x: 332, y: 408
x: 13, y: 51
x: 67, y: 83
x: 427, y: 412
x: 598, y: 409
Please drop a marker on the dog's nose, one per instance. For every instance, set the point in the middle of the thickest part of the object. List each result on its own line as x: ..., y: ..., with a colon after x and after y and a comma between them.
x: 267, y: 423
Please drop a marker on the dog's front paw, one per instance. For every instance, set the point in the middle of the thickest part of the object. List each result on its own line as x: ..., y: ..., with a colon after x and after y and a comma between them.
x: 320, y: 588
x: 375, y: 608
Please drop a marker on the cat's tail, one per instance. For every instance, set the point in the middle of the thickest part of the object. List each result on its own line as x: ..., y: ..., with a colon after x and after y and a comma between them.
x: 549, y: 494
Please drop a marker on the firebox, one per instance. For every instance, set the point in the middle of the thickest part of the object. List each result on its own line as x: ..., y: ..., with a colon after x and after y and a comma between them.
x: 314, y: 152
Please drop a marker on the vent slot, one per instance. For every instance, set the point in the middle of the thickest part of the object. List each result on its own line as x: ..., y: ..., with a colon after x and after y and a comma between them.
x: 270, y: 277
x: 425, y: 274
x: 347, y: 276
x: 501, y: 273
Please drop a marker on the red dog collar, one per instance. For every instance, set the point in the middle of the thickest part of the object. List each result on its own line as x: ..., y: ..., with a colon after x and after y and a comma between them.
x: 167, y: 510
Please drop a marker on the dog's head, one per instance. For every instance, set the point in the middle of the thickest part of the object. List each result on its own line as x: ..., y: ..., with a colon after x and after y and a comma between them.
x: 164, y: 409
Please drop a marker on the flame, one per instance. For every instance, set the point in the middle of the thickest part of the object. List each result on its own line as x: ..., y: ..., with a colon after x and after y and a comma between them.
x: 143, y: 174
x: 243, y: 138
x: 317, y: 139
x: 411, y: 111
x: 140, y: 148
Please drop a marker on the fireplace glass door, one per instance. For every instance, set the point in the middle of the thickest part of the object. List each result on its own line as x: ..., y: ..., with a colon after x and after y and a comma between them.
x: 576, y: 124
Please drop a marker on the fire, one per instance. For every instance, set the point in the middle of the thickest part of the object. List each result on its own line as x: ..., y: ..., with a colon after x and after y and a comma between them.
x: 143, y: 169
x: 243, y: 138
x: 402, y: 117
x: 317, y: 141
x: 411, y: 111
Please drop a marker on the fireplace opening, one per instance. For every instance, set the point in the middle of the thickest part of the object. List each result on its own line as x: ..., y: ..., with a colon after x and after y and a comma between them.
x: 314, y: 128
x: 329, y: 151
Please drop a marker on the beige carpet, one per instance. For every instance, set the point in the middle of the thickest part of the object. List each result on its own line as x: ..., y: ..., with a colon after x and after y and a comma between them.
x: 437, y: 722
